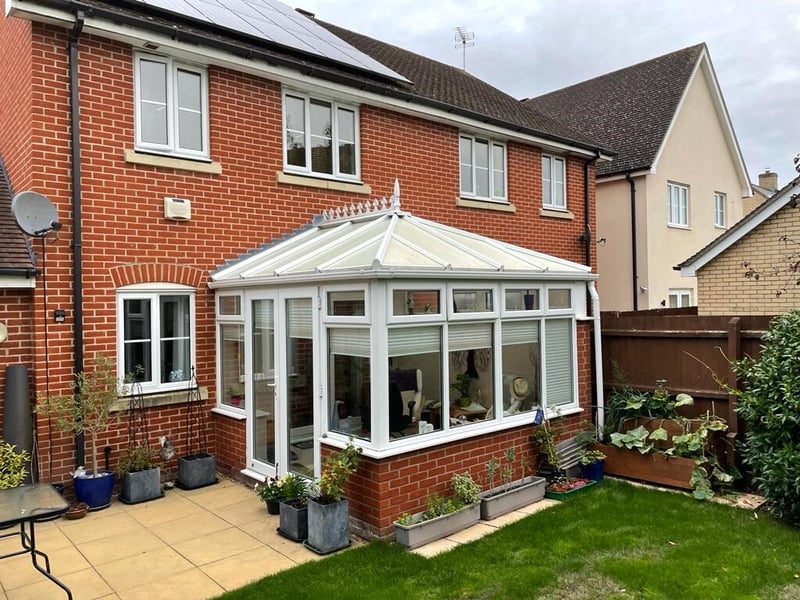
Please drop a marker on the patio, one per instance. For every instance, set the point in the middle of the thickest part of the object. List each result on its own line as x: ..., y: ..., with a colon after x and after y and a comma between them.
x: 190, y: 545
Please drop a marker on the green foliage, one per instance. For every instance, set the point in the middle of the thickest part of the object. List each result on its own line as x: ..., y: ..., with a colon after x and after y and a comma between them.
x: 461, y: 385
x: 635, y: 439
x: 465, y: 489
x: 770, y: 407
x: 12, y: 465
x: 589, y: 457
x: 136, y: 458
x: 336, y: 470
x: 285, y: 487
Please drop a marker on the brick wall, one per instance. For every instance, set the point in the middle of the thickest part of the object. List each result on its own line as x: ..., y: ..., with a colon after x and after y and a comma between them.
x: 722, y: 288
x: 127, y: 240
x: 16, y: 314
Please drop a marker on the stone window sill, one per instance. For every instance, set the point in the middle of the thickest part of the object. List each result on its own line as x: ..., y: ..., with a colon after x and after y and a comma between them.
x: 159, y: 399
x: 168, y: 162
x: 486, y: 205
x: 323, y: 184
x: 556, y: 214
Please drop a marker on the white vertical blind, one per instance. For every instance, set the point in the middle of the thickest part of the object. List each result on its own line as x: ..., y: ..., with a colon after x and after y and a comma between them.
x: 300, y: 317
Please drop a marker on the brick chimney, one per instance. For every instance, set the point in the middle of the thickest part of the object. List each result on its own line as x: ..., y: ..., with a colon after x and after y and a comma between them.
x: 768, y: 180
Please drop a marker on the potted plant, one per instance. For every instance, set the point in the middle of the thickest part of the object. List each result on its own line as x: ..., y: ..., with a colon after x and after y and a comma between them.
x: 512, y: 493
x: 592, y: 463
x: 328, y: 510
x: 293, y: 508
x: 275, y: 489
x: 140, y: 476
x: 88, y: 411
x: 462, y: 386
x: 197, y: 468
x: 12, y: 465
x: 442, y: 516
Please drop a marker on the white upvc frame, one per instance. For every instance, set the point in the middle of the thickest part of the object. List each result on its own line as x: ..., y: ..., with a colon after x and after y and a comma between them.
x: 363, y: 289
x: 335, y: 107
x: 720, y: 210
x: 554, y: 180
x: 153, y: 292
x: 171, y: 147
x: 492, y: 169
x: 677, y: 205
x: 679, y: 294
x: 410, y: 286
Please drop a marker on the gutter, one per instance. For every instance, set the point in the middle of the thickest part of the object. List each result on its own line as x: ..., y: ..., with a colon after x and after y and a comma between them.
x: 77, y: 235
x: 27, y: 272
x: 635, y: 268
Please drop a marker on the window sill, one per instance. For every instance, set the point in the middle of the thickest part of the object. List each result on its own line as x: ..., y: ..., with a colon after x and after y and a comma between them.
x: 323, y: 184
x: 239, y: 415
x: 486, y: 205
x: 159, y: 399
x: 168, y: 162
x: 556, y: 214
x: 676, y: 226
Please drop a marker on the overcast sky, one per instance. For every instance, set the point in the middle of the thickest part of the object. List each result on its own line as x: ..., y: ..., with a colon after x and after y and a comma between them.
x: 529, y: 47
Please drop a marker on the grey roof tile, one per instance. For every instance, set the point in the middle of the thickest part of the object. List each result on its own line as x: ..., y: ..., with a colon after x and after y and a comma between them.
x: 15, y: 253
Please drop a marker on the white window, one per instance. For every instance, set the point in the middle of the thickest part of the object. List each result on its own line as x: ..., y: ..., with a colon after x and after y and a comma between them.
x: 554, y: 191
x: 171, y: 107
x: 719, y: 209
x: 155, y: 335
x: 677, y: 205
x: 679, y: 298
x: 483, y: 168
x: 320, y: 137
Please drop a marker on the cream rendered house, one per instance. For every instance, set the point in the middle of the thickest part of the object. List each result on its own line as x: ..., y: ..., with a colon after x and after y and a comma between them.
x: 677, y: 181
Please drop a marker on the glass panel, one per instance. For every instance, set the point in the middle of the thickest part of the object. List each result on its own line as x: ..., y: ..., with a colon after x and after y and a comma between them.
x: 349, y: 384
x: 558, y: 183
x: 153, y: 123
x: 522, y: 299
x: 498, y: 171
x: 547, y: 181
x: 472, y: 301
x: 321, y: 137
x: 559, y: 298
x: 300, y: 387
x: 137, y: 339
x: 295, y: 131
x: 263, y: 416
x: 153, y: 81
x: 521, y: 366
x: 190, y: 130
x: 415, y: 302
x: 471, y: 374
x: 229, y: 305
x: 414, y: 393
x: 175, y: 339
x: 153, y: 100
x: 231, y: 357
x: 346, y: 304
x: 482, y: 169
x: 558, y: 362
x: 465, y: 150
x: 347, y: 141
x: 189, y: 90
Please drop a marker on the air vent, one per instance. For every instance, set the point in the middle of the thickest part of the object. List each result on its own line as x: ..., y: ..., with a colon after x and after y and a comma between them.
x: 177, y: 209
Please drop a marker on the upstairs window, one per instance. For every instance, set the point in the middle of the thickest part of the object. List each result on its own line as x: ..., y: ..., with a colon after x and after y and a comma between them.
x: 720, y: 219
x: 554, y: 189
x: 677, y: 205
x: 483, y: 168
x: 680, y: 298
x: 171, y: 107
x: 320, y: 137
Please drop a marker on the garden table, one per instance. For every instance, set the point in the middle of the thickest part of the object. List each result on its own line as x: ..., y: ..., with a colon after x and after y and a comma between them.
x: 24, y: 505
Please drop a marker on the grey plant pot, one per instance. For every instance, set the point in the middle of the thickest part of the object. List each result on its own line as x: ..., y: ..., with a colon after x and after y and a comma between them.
x: 140, y: 486
x: 293, y: 520
x: 328, y: 526
x: 422, y: 532
x: 196, y: 470
x: 512, y: 497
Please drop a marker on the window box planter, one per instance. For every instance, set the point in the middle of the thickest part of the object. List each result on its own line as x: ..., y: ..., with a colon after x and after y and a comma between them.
x: 141, y: 486
x: 654, y: 467
x: 328, y: 526
x: 511, y: 497
x: 196, y: 470
x: 421, y: 532
x: 578, y: 489
x: 293, y: 520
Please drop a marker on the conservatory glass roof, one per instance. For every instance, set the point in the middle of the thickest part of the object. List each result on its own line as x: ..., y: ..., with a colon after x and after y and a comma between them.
x: 378, y: 240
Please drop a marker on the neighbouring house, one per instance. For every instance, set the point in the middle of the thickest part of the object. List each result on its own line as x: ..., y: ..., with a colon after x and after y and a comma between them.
x: 751, y: 268
x: 677, y: 181
x: 763, y: 191
x: 325, y: 229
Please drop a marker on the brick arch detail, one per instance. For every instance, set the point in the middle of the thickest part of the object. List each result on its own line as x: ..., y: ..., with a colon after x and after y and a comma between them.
x: 156, y: 272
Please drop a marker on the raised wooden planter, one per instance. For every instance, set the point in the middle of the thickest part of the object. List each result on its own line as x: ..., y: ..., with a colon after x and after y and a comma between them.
x: 655, y: 467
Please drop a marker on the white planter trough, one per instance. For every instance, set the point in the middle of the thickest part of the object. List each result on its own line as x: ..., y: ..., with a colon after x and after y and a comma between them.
x: 421, y: 532
x: 513, y: 496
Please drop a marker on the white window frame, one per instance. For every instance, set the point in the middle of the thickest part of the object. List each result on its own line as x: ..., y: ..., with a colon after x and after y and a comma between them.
x: 335, y: 108
x: 720, y: 212
x: 494, y: 171
x: 153, y: 292
x: 554, y: 179
x: 172, y: 147
x: 678, y: 294
x: 677, y: 205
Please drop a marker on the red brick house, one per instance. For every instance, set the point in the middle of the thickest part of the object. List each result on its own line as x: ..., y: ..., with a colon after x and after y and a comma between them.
x: 179, y: 148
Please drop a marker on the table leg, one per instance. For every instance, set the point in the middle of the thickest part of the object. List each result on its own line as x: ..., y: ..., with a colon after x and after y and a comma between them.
x: 29, y: 543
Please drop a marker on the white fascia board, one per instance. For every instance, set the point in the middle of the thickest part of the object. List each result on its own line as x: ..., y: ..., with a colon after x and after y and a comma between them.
x: 289, y: 77
x: 10, y: 282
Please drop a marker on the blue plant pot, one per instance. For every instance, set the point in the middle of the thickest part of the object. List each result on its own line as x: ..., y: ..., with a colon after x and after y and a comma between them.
x: 594, y: 471
x: 95, y: 491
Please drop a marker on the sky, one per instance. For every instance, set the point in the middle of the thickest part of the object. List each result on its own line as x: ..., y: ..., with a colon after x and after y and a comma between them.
x: 530, y: 47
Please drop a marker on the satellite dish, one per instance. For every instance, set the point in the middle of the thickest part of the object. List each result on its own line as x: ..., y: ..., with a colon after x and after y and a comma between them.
x: 34, y: 213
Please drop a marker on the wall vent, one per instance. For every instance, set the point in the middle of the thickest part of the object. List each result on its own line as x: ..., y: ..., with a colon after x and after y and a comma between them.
x: 177, y: 209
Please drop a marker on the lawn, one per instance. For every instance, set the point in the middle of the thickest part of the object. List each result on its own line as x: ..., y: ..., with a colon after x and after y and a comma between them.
x: 618, y: 542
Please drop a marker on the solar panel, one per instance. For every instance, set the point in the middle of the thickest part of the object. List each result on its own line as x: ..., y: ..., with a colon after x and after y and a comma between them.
x: 273, y: 21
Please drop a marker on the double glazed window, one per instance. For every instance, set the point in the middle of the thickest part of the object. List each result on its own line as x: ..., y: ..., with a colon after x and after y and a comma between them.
x: 171, y: 107
x: 320, y: 137
x: 554, y: 190
x: 677, y: 205
x: 719, y: 209
x: 680, y: 298
x: 483, y: 168
x: 155, y: 337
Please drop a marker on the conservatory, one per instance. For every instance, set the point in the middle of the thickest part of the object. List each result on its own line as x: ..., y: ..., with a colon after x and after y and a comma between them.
x: 401, y: 332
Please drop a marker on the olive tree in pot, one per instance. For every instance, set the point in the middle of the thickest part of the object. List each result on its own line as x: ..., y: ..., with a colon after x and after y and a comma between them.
x: 88, y: 411
x: 328, y: 509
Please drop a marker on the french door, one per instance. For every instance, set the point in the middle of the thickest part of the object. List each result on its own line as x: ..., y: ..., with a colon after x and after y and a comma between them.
x: 281, y: 371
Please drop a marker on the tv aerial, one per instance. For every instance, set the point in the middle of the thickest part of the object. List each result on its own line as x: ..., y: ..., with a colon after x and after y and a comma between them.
x: 464, y: 39
x: 34, y: 213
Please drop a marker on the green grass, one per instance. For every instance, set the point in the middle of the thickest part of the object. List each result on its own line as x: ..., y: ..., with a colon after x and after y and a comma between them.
x: 617, y: 542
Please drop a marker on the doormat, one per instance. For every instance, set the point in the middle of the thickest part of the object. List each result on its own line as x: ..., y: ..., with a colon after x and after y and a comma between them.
x: 304, y: 444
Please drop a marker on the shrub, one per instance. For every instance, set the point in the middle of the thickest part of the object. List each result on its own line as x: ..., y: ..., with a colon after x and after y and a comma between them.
x: 769, y: 404
x: 12, y: 465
